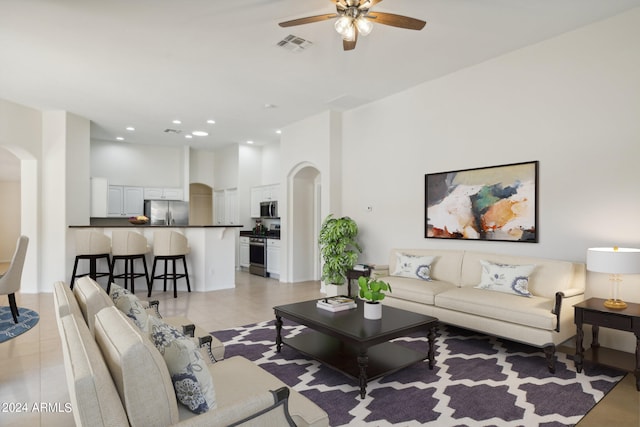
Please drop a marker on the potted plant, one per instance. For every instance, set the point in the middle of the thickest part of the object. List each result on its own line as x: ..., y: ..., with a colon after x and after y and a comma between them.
x: 339, y: 250
x: 372, y: 291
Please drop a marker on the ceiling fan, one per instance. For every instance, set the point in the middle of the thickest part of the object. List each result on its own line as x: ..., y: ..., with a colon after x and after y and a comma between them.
x: 355, y: 18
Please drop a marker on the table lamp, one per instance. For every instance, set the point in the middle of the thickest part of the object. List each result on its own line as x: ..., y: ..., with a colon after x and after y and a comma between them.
x: 615, y: 261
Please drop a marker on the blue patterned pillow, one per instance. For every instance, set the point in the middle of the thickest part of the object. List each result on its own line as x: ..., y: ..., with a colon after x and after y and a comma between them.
x: 130, y: 305
x: 510, y: 279
x: 413, y: 266
x: 190, y: 375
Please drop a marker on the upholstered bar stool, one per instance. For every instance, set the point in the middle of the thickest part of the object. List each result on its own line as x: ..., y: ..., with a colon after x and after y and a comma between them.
x: 91, y: 245
x: 128, y: 246
x: 168, y: 246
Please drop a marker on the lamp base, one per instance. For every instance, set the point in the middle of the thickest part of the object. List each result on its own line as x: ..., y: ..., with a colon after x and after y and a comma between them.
x: 615, y: 304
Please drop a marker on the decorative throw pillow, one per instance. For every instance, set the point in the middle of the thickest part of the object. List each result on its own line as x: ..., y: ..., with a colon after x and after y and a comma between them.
x: 190, y: 376
x: 511, y: 279
x: 130, y: 305
x: 413, y: 266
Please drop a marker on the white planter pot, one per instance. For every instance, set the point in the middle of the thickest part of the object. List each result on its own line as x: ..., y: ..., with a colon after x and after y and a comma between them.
x: 372, y: 311
x: 333, y: 290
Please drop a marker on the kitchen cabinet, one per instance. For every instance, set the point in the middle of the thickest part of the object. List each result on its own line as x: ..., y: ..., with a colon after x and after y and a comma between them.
x: 273, y: 257
x: 225, y: 207
x: 263, y: 193
x: 244, y: 252
x: 99, y: 197
x: 125, y: 201
x: 155, y: 193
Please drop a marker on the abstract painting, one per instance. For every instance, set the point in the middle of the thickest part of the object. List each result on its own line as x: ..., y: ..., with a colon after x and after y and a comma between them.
x: 490, y: 203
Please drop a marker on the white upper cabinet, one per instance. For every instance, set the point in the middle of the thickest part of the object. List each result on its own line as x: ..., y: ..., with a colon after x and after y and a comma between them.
x: 125, y: 201
x: 225, y: 207
x: 157, y: 193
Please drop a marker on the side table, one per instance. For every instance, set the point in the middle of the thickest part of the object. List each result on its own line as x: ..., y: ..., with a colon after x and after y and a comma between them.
x: 355, y: 275
x: 593, y: 312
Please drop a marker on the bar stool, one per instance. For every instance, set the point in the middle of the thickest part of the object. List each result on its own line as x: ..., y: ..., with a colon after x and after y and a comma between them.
x: 128, y: 246
x: 169, y: 246
x: 92, y: 246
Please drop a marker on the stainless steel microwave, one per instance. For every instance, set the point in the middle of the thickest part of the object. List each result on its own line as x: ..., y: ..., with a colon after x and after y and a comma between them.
x: 269, y: 209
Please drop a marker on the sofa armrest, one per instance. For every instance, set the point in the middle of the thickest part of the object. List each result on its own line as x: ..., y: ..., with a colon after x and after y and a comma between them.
x: 567, y: 293
x: 266, y: 408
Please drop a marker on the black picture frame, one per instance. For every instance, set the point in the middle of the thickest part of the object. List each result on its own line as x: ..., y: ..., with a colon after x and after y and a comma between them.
x: 494, y: 203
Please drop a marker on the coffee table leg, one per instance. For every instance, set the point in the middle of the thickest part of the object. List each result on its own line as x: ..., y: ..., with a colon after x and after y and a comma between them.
x: 431, y: 336
x: 363, y: 361
x: 278, y: 333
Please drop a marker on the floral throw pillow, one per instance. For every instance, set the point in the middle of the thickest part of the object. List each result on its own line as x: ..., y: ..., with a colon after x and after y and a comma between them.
x: 507, y: 278
x: 413, y: 266
x: 190, y: 376
x: 130, y: 305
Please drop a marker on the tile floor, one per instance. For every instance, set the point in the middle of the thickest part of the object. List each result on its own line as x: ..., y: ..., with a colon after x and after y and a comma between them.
x: 32, y: 367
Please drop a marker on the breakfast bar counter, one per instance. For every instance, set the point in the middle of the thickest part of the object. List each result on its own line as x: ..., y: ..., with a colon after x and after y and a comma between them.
x: 211, y: 259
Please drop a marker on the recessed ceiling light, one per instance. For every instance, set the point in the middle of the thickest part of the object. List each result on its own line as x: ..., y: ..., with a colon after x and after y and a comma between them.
x: 176, y: 122
x: 130, y: 128
x: 119, y: 138
x: 249, y: 142
x: 269, y: 106
x: 278, y: 131
x: 199, y: 133
x: 188, y: 136
x: 211, y: 122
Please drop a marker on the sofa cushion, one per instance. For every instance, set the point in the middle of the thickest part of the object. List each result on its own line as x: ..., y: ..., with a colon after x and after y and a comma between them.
x: 91, y: 298
x: 534, y: 311
x: 93, y: 395
x: 507, y: 278
x: 138, y: 370
x: 416, y: 290
x: 413, y: 266
x: 191, y: 379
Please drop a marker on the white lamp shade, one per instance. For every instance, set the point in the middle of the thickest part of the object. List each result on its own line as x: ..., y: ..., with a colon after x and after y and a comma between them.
x: 613, y: 260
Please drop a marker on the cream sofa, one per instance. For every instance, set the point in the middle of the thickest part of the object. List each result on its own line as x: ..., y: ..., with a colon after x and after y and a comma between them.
x: 117, y: 377
x: 543, y: 320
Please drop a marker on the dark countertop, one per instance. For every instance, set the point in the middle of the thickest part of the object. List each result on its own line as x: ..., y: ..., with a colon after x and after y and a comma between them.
x: 247, y: 233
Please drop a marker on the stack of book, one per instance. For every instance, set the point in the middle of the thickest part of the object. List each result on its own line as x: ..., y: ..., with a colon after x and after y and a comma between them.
x: 338, y: 303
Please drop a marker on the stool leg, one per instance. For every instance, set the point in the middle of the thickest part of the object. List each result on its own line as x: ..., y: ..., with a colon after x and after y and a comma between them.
x: 165, y: 274
x: 111, y: 270
x: 133, y: 275
x: 73, y: 275
x: 175, y: 278
x: 186, y: 273
x: 152, y: 277
x: 14, y: 307
x: 110, y: 273
x: 146, y: 271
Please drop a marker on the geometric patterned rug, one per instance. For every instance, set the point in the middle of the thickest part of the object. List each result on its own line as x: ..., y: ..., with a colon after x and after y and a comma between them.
x: 27, y: 319
x: 477, y: 380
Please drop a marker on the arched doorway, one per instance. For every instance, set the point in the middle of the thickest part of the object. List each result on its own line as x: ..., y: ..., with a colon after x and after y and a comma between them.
x: 28, y: 212
x: 304, y: 223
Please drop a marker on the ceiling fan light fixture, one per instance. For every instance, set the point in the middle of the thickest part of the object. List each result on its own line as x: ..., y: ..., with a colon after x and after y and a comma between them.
x: 342, y: 25
x: 364, y: 26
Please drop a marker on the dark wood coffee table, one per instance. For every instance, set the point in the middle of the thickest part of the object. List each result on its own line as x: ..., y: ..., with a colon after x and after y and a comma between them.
x: 353, y: 345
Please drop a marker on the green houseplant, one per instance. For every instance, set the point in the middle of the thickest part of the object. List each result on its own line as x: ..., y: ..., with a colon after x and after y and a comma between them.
x: 373, y: 291
x: 338, y: 248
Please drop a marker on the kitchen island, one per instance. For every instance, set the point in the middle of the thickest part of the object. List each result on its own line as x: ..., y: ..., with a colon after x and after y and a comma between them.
x: 211, y: 259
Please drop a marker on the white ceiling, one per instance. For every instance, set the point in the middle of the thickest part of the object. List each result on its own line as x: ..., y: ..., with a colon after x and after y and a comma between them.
x: 143, y: 63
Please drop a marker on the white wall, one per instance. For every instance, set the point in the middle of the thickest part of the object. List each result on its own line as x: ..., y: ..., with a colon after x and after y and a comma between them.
x: 138, y: 164
x: 572, y: 102
x: 270, y: 164
x: 225, y: 168
x: 201, y: 167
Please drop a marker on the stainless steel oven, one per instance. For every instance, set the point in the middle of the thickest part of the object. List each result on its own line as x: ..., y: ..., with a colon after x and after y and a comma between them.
x: 258, y: 256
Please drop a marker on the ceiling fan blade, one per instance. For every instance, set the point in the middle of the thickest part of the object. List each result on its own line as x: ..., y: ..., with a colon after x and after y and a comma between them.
x: 350, y: 45
x: 396, y: 20
x: 308, y: 20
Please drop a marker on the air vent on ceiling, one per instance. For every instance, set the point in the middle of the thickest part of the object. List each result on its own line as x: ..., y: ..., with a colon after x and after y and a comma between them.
x: 176, y: 131
x: 294, y: 43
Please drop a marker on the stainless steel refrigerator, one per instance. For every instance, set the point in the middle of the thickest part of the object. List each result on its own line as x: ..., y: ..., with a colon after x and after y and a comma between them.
x: 163, y: 212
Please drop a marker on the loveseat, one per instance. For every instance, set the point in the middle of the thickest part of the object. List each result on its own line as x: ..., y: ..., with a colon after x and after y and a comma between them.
x: 117, y: 377
x: 524, y: 299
